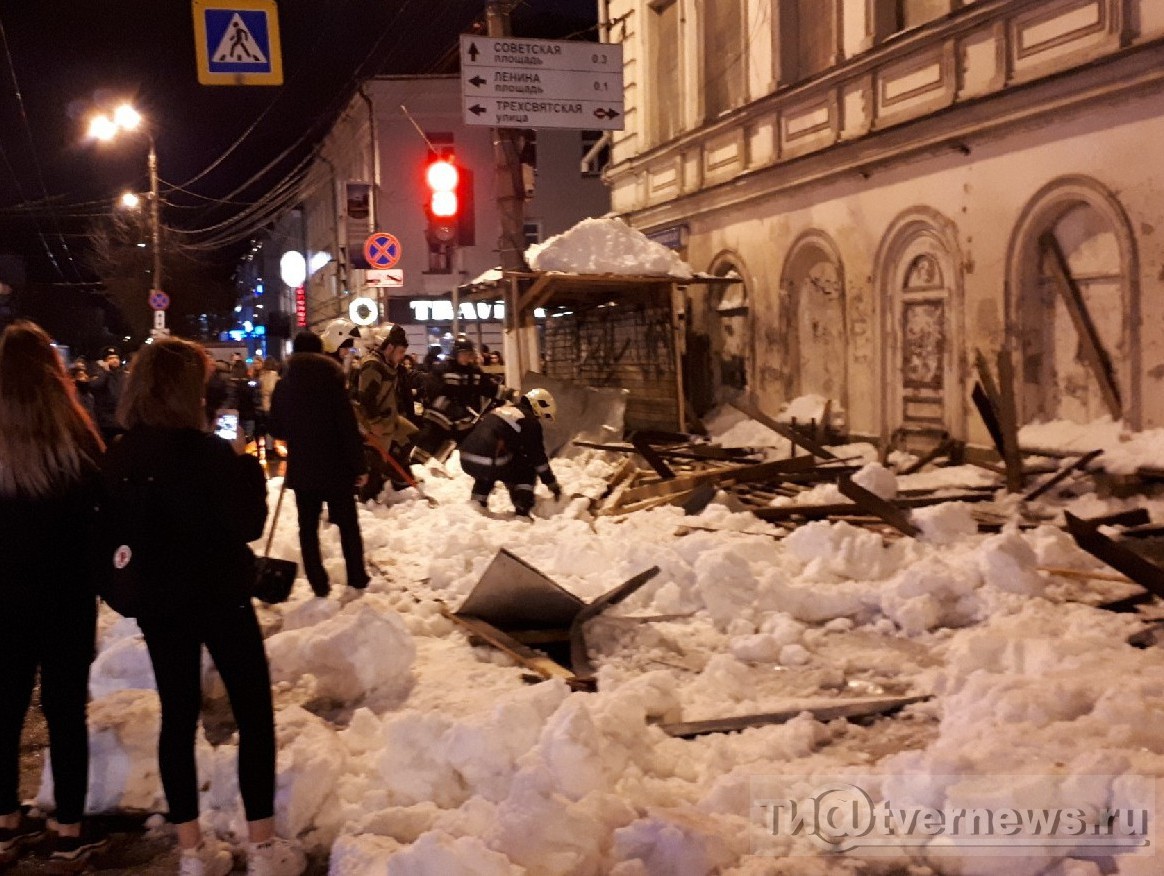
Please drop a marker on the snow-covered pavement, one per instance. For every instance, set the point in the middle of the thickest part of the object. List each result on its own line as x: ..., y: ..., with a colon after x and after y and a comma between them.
x: 405, y: 750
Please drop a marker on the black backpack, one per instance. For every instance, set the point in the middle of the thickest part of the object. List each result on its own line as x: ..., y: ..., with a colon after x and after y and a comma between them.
x: 122, y: 541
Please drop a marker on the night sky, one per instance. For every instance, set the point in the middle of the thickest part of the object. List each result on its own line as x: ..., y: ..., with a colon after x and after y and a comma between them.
x: 67, y: 58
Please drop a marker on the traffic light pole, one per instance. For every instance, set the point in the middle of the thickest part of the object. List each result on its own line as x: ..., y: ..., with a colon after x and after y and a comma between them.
x: 521, y: 341
x: 510, y: 193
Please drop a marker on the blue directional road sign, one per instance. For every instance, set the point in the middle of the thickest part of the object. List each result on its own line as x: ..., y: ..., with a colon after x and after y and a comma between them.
x: 237, y: 42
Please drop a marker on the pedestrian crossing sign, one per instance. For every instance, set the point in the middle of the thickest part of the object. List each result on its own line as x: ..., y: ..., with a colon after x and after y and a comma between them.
x: 237, y: 42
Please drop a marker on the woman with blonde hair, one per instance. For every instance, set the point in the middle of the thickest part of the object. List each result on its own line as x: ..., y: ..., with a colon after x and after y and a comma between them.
x: 49, y: 456
x: 204, y: 500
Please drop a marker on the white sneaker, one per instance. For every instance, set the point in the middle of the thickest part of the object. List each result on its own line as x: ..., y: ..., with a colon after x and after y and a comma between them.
x: 275, y: 857
x: 211, y: 858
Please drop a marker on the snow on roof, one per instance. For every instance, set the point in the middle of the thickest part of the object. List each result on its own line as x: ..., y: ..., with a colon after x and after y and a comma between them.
x: 606, y: 246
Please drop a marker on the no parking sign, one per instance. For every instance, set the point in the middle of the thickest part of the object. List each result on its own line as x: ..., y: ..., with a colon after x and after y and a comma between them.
x: 159, y: 300
x: 382, y: 250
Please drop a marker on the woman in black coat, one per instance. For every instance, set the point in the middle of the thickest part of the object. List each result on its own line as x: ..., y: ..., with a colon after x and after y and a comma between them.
x: 49, y: 453
x: 203, y: 500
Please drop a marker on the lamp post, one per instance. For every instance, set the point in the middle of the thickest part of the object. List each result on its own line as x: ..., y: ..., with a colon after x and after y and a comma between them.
x: 106, y: 127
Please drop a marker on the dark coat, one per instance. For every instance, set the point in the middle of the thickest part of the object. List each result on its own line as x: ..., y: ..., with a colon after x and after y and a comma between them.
x: 508, y: 443
x: 42, y: 546
x: 457, y: 394
x: 205, y: 503
x: 311, y: 412
x: 106, y: 388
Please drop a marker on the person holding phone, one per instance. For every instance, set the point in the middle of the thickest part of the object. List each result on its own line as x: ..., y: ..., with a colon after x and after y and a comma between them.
x: 205, y: 500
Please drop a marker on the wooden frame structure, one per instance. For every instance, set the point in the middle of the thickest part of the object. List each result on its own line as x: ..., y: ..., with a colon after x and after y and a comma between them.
x: 525, y: 291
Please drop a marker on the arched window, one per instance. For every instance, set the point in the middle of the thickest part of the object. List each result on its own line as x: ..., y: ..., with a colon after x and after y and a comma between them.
x: 1074, y: 304
x: 817, y: 356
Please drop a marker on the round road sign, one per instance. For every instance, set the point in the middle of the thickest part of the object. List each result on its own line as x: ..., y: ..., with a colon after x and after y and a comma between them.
x: 159, y: 300
x: 382, y: 250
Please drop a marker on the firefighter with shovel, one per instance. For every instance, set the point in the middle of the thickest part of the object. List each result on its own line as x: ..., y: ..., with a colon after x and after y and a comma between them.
x: 382, y: 400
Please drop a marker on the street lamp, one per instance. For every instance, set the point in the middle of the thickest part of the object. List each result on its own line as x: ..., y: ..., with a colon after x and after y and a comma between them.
x: 105, y: 127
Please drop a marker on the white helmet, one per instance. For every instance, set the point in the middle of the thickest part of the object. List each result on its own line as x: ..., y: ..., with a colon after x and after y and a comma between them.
x: 543, y: 404
x: 338, y: 333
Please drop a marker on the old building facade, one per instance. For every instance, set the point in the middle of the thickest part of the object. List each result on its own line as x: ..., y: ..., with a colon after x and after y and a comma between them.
x: 902, y: 184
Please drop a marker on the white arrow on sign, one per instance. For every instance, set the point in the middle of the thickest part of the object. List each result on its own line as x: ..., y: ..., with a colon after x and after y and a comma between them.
x: 527, y: 54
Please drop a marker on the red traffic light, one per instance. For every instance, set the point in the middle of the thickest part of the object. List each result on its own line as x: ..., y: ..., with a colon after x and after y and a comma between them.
x: 441, y: 177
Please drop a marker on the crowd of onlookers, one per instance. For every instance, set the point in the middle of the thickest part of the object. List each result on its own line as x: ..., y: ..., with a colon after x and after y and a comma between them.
x: 122, y: 462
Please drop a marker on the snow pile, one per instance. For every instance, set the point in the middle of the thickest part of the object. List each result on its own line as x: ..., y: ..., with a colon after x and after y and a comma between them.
x: 606, y: 246
x: 356, y: 656
x: 405, y: 749
x: 1124, y: 451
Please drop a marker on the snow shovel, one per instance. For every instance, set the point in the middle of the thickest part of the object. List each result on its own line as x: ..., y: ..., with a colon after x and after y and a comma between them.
x: 405, y: 476
x: 274, y: 578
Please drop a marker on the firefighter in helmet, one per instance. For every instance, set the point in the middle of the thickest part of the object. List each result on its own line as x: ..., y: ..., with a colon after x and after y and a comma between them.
x: 508, y: 445
x: 458, y: 393
x: 383, y: 401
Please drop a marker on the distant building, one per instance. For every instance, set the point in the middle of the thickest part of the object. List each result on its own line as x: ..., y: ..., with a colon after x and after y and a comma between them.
x: 369, y: 177
x: 901, y: 184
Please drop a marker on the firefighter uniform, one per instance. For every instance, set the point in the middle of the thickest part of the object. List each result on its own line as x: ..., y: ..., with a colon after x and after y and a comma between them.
x: 507, y: 445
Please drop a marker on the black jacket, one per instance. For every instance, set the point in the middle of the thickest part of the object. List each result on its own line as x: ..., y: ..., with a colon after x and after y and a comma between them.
x: 311, y: 412
x: 205, y: 503
x: 508, y: 442
x: 457, y: 394
x: 42, y: 545
x: 106, y: 388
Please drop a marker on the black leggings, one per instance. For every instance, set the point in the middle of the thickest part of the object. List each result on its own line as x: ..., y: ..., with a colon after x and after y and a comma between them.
x: 59, y: 640
x: 235, y: 643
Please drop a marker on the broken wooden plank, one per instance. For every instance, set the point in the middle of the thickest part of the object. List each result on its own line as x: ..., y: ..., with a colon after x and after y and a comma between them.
x: 1008, y: 420
x: 1137, y: 567
x: 988, y: 408
x: 1090, y: 344
x: 642, y: 445
x: 1061, y: 475
x: 865, y: 708
x: 723, y: 476
x: 579, y: 658
x: 523, y: 655
x: 785, y: 431
x: 645, y: 504
x: 874, y: 504
x: 942, y: 448
x: 799, y: 438
x: 816, y: 512
x: 698, y: 499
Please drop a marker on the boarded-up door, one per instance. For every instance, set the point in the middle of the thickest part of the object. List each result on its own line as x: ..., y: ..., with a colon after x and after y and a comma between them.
x: 923, y: 380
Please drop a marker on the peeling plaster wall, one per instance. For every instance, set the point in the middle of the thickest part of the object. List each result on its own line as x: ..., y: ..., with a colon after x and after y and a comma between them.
x: 983, y: 195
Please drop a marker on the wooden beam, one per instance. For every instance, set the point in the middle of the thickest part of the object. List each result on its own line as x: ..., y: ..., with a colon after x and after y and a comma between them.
x: 874, y: 504
x: 1008, y: 420
x: 723, y: 476
x: 1092, y: 348
x: 642, y: 444
x: 784, y: 430
x: 540, y: 289
x: 817, y: 512
x: 1062, y: 475
x: 523, y: 655
x: 821, y: 712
